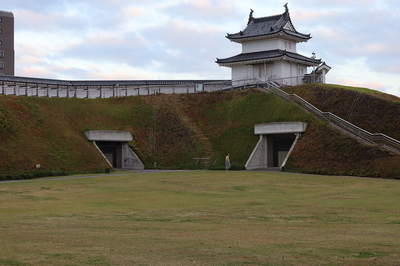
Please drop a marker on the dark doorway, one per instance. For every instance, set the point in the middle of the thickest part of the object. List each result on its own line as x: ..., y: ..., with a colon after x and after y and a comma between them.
x: 281, y: 146
x: 110, y: 150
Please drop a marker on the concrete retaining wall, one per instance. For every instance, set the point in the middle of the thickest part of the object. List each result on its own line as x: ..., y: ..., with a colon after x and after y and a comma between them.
x: 108, y: 135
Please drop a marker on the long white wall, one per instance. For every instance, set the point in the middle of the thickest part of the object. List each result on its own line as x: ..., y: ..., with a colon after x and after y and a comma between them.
x: 105, y: 92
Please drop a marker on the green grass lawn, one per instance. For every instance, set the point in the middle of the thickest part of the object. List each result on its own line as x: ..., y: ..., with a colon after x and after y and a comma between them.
x: 201, y: 218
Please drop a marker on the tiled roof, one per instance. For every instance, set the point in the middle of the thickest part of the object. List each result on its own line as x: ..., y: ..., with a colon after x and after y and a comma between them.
x: 98, y: 83
x: 28, y: 80
x: 321, y: 67
x: 266, y: 56
x: 258, y: 27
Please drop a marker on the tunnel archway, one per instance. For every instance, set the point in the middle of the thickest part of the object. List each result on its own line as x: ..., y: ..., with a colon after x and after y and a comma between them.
x: 115, y: 149
x: 275, y: 144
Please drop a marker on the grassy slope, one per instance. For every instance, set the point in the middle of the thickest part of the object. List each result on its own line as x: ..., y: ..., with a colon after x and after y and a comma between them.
x: 50, y: 132
x: 371, y: 110
x: 47, y: 132
x: 228, y: 119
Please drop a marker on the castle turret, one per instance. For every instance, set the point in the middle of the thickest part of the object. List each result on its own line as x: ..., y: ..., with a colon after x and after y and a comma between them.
x: 269, y: 52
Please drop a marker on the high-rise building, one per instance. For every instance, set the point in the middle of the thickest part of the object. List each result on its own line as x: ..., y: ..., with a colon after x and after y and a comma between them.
x: 7, y: 56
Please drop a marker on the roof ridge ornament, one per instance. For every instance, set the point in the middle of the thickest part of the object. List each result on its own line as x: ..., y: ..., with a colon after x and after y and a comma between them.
x: 286, y: 7
x: 250, y: 16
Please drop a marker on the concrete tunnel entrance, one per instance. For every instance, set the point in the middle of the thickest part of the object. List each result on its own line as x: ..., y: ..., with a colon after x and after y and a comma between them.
x: 112, y: 151
x: 276, y: 142
x: 279, y: 147
x: 115, y: 149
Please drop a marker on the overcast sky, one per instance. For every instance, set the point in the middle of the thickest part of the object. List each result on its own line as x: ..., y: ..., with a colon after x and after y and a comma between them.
x: 181, y: 39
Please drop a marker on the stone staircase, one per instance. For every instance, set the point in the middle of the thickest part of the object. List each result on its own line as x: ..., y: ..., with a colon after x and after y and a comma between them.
x: 344, y: 126
x: 207, y: 158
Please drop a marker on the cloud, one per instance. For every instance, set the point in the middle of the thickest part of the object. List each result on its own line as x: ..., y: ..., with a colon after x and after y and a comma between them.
x: 347, y: 31
x: 80, y: 39
x: 202, y: 11
x: 53, y: 22
x: 173, y: 43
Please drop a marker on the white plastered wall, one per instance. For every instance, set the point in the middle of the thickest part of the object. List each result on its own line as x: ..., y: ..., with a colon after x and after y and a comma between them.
x: 240, y: 73
x: 269, y: 44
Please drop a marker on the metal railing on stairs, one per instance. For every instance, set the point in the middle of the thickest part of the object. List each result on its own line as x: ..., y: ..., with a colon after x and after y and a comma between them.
x: 380, y: 139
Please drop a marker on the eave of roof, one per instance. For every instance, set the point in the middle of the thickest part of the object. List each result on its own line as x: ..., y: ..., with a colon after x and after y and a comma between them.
x: 265, y: 56
x: 323, y: 66
x: 266, y: 27
x: 284, y: 34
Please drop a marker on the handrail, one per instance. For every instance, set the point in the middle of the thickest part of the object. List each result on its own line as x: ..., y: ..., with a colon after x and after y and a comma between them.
x: 341, y: 124
x: 246, y: 81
